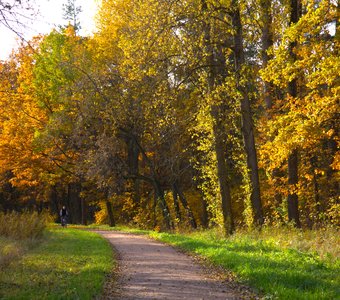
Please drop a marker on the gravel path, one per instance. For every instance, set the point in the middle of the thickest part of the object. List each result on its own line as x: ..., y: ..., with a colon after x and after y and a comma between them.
x: 150, y: 270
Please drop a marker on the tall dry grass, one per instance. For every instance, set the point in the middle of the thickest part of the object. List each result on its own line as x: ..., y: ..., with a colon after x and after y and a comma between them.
x: 18, y: 233
x: 325, y: 241
x: 10, y: 250
x: 26, y: 225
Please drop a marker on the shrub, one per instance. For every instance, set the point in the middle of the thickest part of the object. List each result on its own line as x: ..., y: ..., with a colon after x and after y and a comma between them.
x: 26, y: 225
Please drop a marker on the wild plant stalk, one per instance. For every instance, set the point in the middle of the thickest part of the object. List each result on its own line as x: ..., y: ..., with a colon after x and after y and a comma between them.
x: 26, y: 225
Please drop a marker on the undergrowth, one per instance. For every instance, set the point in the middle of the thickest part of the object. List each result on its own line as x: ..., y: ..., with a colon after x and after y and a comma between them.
x: 19, y: 232
x: 323, y: 242
x: 24, y: 225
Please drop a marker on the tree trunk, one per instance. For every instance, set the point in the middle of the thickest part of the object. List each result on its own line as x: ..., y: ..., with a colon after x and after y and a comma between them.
x: 205, y: 215
x: 54, y: 200
x: 222, y: 172
x: 268, y: 88
x: 313, y: 162
x: 267, y: 42
x: 83, y: 211
x: 133, y: 153
x: 109, y: 209
x: 218, y: 129
x: 74, y: 202
x: 154, y: 207
x: 293, y: 211
x: 176, y: 204
x: 293, y: 179
x: 186, y: 206
x: 159, y: 193
x: 337, y: 27
x: 247, y: 121
x: 69, y: 204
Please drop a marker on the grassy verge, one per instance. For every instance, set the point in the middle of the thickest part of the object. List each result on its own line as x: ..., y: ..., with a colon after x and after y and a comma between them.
x: 68, y: 264
x: 281, y: 263
x: 20, y: 226
x: 281, y: 273
x: 11, y: 249
x: 19, y: 232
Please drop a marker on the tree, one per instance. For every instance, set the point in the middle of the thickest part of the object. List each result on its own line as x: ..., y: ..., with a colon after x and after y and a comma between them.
x: 71, y: 13
x: 247, y: 121
x: 22, y: 166
x: 296, y: 130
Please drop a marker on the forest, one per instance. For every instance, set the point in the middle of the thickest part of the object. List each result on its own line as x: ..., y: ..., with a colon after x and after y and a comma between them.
x: 178, y: 114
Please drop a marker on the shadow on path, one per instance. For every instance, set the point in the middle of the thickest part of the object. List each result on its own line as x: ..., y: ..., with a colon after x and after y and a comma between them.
x: 151, y: 270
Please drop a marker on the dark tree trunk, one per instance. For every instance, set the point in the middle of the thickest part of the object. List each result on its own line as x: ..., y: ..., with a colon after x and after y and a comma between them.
x: 313, y: 162
x: 205, y: 215
x: 337, y: 26
x: 54, y: 200
x: 316, y: 193
x: 218, y: 129
x: 222, y: 172
x: 293, y: 179
x: 176, y: 204
x: 69, y: 204
x: 133, y: 153
x: 278, y: 197
x: 334, y: 185
x: 267, y: 42
x: 268, y: 88
x: 83, y: 211
x: 109, y: 209
x: 159, y: 192
x: 293, y: 212
x: 75, y: 204
x: 76, y: 187
x: 154, y: 209
x: 247, y: 122
x: 186, y: 206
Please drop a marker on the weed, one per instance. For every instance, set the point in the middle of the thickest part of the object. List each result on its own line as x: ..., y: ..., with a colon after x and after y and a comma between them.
x: 22, y: 225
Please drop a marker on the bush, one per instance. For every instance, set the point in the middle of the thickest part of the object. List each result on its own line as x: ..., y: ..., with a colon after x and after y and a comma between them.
x: 26, y: 225
x: 10, y: 250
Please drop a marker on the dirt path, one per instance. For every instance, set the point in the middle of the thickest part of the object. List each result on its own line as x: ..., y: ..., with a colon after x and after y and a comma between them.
x: 151, y: 270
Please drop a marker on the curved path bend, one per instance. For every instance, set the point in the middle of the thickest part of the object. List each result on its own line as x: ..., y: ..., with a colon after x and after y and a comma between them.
x: 148, y: 269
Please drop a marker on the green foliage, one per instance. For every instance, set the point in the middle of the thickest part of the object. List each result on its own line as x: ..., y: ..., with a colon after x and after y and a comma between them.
x: 284, y: 266
x: 306, y: 121
x: 153, y: 99
x: 69, y: 264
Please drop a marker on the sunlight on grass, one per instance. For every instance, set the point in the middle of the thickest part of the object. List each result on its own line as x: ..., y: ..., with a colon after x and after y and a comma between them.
x: 71, y: 264
x: 279, y: 262
x: 278, y: 272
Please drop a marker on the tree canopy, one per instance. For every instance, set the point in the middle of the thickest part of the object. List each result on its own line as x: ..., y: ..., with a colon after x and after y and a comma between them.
x: 178, y: 113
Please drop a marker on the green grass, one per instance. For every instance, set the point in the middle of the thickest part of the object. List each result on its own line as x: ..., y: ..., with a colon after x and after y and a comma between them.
x: 68, y: 264
x: 280, y: 273
x: 11, y: 249
x: 280, y: 263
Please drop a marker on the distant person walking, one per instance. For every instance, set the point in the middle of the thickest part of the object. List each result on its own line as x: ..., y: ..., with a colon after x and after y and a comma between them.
x: 63, y: 216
